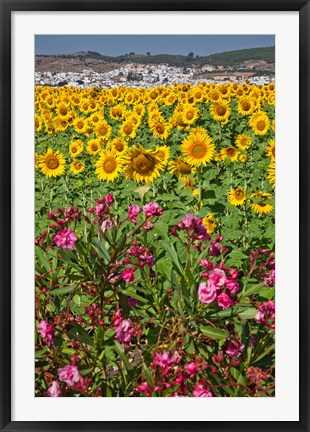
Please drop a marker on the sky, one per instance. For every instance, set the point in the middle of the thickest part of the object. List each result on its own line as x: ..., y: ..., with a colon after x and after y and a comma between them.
x: 115, y: 45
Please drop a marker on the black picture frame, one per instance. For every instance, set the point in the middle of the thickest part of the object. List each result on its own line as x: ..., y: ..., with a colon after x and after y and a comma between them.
x: 7, y: 7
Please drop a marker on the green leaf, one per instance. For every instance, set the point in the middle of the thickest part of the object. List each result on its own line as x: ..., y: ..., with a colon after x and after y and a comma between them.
x: 173, y: 256
x: 102, y: 250
x: 79, y: 333
x: 213, y: 333
x: 254, y: 289
x: 62, y: 290
x: 248, y: 314
x: 120, y: 350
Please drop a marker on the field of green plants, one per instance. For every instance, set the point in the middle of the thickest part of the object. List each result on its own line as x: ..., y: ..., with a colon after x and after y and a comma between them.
x: 155, y: 237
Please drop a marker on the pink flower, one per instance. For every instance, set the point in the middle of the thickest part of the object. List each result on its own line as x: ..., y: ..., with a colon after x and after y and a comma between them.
x: 133, y: 212
x: 109, y: 199
x: 233, y: 348
x: 224, y: 301
x: 54, y: 390
x: 65, y: 239
x: 266, y: 314
x: 69, y: 374
x: 124, y: 331
x: 217, y: 278
x: 206, y: 293
x: 152, y: 209
x: 232, y: 286
x: 189, y: 221
x: 46, y: 332
x: 191, y: 369
x: 163, y: 361
x: 215, y: 249
x: 106, y: 224
x: 128, y: 275
x: 201, y: 391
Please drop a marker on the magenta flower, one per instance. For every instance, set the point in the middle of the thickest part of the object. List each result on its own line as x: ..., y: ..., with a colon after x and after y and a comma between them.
x: 217, y: 278
x: 124, y: 331
x: 133, y: 212
x: 191, y: 369
x: 189, y: 221
x: 201, y: 391
x: 46, y: 332
x: 224, y: 301
x: 69, y: 374
x: 266, y: 314
x: 128, y: 275
x: 106, y: 224
x: 233, y: 348
x: 109, y: 199
x: 65, y: 239
x: 152, y: 209
x: 54, y: 390
x: 232, y: 286
x: 206, y: 293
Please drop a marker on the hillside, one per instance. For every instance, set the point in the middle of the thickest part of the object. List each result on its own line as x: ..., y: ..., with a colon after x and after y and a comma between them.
x: 78, y: 61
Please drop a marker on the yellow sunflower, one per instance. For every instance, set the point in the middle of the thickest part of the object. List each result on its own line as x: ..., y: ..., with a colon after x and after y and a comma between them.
x: 108, y: 166
x: 162, y: 153
x: 118, y: 145
x: 52, y: 164
x: 246, y: 105
x: 243, y: 158
x: 230, y: 152
x: 103, y: 129
x: 77, y: 166
x: 180, y: 167
x: 243, y: 141
x: 197, y: 148
x: 259, y: 204
x: 220, y: 110
x: 237, y: 196
x: 127, y: 130
x: 63, y: 111
x: 80, y: 124
x: 141, y: 164
x: 271, y: 149
x: 210, y: 223
x: 75, y: 148
x: 189, y: 114
x: 159, y: 129
x: 259, y: 122
x: 94, y: 146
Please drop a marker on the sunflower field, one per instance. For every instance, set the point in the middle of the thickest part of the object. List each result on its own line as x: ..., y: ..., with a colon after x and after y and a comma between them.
x: 155, y: 237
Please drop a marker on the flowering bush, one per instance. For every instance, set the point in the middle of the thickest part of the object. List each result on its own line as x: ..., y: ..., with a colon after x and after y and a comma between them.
x: 125, y: 307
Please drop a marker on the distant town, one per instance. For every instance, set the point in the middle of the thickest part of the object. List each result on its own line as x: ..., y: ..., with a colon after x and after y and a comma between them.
x: 89, y: 69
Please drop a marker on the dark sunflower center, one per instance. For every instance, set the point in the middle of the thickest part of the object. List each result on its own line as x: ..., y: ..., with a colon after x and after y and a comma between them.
x: 94, y: 147
x: 239, y: 194
x: 63, y: 111
x: 128, y: 129
x: 52, y: 163
x: 246, y: 106
x: 102, y: 130
x: 261, y: 125
x: 144, y: 164
x: 160, y: 128
x: 109, y: 165
x: 198, y: 150
x: 80, y: 124
x: 230, y: 152
x: 220, y: 110
x: 184, y: 168
x: 190, y: 115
